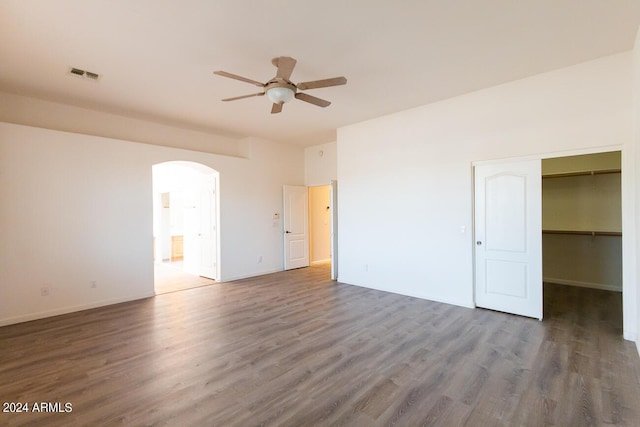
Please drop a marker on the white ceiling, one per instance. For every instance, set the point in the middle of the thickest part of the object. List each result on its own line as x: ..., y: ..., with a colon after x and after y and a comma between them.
x: 156, y: 57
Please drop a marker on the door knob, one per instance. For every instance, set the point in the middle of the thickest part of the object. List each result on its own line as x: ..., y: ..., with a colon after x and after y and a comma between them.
x: 478, y: 243
x: 288, y: 232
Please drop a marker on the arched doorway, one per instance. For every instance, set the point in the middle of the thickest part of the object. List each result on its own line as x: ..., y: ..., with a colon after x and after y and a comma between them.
x: 185, y: 225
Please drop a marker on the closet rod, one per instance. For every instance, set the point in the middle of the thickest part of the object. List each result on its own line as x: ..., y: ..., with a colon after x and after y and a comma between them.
x: 583, y: 233
x: 583, y: 173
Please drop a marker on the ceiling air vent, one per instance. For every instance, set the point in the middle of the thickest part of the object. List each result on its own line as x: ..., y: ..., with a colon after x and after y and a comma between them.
x: 77, y: 72
x: 84, y: 74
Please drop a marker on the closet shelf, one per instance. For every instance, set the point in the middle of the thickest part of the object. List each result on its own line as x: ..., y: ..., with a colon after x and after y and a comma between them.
x: 581, y: 173
x: 583, y: 232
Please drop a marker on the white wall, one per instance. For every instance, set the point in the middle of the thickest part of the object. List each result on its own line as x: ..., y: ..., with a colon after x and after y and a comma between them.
x: 585, y: 203
x: 320, y: 164
x: 406, y: 179
x: 77, y: 208
x: 577, y: 260
x: 636, y: 140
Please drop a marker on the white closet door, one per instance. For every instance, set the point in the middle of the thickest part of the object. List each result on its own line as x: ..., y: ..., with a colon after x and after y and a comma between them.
x: 508, y: 231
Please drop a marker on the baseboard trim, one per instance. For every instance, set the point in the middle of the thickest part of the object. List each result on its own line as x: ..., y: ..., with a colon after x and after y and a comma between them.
x: 72, y: 309
x: 602, y: 286
x: 321, y: 261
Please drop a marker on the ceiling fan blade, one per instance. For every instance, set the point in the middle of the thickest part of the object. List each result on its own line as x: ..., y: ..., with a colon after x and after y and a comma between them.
x: 276, y: 108
x: 315, y: 84
x: 242, y: 79
x: 285, y: 66
x: 244, y: 96
x: 312, y: 100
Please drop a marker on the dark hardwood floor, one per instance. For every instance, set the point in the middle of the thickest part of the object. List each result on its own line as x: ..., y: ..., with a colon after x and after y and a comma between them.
x: 295, y: 349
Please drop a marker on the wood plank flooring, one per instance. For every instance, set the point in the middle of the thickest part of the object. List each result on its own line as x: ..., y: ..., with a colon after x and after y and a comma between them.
x: 295, y: 349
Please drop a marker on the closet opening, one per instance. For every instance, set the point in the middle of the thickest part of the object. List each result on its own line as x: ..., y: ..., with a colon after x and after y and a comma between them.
x: 582, y: 239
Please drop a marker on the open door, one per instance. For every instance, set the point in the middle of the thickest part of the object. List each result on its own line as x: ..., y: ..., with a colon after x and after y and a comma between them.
x: 334, y: 229
x: 296, y: 228
x: 200, y: 238
x: 508, y: 231
x: 207, y: 238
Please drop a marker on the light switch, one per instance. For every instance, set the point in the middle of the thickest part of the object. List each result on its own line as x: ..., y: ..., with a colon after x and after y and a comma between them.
x: 463, y: 229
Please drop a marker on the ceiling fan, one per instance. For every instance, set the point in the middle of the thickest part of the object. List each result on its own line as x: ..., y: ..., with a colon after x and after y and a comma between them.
x: 280, y: 89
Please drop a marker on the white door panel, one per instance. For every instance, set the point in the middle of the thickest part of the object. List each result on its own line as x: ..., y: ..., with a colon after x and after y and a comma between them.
x: 334, y: 230
x: 296, y: 233
x: 191, y: 229
x: 200, y: 234
x: 296, y: 250
x: 506, y: 278
x: 505, y: 213
x: 508, y: 227
x: 207, y: 233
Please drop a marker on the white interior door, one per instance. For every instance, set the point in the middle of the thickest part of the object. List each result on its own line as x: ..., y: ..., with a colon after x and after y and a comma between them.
x: 191, y: 215
x: 334, y: 229
x: 296, y: 226
x: 207, y: 235
x: 508, y: 231
x: 200, y: 227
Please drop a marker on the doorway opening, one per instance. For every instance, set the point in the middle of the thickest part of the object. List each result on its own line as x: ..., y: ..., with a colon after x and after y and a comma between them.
x: 320, y: 225
x: 582, y: 237
x: 323, y: 226
x: 185, y: 226
x: 310, y: 227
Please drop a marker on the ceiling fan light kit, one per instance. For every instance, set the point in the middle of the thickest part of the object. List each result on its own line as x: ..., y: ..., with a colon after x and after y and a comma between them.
x: 280, y: 94
x: 280, y: 89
